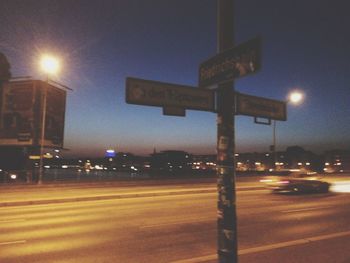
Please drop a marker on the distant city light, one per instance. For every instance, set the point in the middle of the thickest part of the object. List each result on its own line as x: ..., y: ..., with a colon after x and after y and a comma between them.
x: 98, y: 167
x: 110, y: 153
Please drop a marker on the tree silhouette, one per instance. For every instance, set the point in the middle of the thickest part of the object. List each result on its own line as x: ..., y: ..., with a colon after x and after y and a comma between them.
x: 5, y: 73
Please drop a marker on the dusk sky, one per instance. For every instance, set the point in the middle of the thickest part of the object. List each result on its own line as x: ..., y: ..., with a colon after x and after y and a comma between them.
x: 305, y: 46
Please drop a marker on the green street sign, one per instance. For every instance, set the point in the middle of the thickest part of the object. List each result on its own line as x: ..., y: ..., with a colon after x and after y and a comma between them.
x: 167, y: 95
x: 260, y: 107
x: 230, y: 64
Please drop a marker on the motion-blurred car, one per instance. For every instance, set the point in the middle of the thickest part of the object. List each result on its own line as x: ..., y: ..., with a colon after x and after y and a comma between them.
x: 298, y: 183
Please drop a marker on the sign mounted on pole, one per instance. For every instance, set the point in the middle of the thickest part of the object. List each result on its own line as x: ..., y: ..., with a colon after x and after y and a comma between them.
x: 231, y: 64
x: 174, y: 111
x: 172, y: 97
x: 260, y: 107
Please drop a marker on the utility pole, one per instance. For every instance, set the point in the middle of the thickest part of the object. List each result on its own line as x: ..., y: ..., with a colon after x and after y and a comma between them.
x: 274, y: 152
x: 227, y: 217
x: 43, y: 124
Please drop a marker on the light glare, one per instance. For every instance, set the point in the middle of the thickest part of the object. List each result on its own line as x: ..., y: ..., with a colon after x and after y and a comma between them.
x: 49, y: 64
x: 296, y: 97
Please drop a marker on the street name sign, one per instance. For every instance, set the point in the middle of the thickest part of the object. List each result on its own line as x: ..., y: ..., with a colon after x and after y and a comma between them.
x: 260, y: 107
x: 231, y: 64
x: 167, y: 95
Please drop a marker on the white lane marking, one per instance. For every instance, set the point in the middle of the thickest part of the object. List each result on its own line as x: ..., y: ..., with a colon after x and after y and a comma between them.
x: 13, y: 242
x: 187, y: 221
x: 197, y: 260
x: 14, y: 220
x: 268, y: 247
x: 306, y: 209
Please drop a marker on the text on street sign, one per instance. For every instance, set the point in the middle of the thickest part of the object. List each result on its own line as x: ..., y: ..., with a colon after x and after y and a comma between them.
x: 260, y: 107
x: 232, y: 63
x: 154, y: 93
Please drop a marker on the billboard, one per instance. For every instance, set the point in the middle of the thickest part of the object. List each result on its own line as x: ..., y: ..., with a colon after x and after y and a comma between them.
x: 21, y: 111
x: 17, y: 113
x: 55, y: 116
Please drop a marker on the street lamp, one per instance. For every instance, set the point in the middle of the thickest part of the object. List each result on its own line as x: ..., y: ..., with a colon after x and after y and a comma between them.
x: 294, y: 97
x: 49, y: 65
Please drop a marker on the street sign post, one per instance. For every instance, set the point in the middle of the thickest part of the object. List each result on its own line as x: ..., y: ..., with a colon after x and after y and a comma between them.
x: 220, y: 70
x: 172, y: 97
x: 260, y: 107
x: 227, y: 245
x: 232, y: 63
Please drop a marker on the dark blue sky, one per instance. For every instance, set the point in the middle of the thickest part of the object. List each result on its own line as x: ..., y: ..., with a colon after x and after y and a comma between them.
x: 100, y: 43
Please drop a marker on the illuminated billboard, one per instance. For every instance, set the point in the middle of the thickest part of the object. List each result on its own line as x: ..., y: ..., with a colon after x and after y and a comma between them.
x: 21, y: 113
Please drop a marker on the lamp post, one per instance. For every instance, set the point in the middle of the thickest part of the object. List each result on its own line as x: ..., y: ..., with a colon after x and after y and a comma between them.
x: 49, y: 65
x: 295, y: 97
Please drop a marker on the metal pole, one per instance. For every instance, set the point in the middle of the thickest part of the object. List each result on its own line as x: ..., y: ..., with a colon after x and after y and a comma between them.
x: 274, y: 145
x: 43, y: 123
x: 227, y: 218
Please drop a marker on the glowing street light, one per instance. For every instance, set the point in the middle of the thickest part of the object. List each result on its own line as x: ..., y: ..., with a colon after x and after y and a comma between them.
x: 296, y: 98
x: 50, y: 66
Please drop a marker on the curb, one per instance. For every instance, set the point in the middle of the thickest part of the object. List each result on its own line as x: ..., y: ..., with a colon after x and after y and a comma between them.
x: 101, y: 197
x: 110, y: 197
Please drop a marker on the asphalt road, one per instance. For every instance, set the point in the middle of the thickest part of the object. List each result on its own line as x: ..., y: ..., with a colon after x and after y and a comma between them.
x: 180, y: 227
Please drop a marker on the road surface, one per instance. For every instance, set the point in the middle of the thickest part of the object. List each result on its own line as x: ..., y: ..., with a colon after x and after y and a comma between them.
x: 180, y: 227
